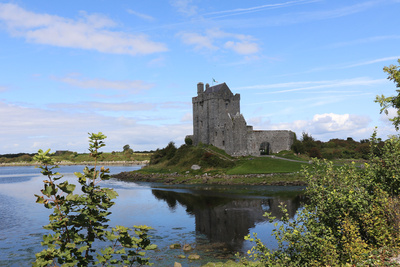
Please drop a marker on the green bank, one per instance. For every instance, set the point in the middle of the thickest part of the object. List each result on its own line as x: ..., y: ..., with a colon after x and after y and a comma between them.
x: 207, y: 164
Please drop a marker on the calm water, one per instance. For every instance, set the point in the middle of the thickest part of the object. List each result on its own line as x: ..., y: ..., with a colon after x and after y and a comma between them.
x: 213, y: 219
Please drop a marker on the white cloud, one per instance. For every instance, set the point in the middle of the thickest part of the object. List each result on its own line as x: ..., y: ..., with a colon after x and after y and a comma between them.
x: 91, y: 32
x: 28, y: 129
x: 176, y: 105
x: 391, y: 113
x: 240, y: 11
x: 198, y: 41
x: 331, y: 122
x: 342, y: 66
x: 372, y: 62
x: 295, y: 14
x: 133, y: 86
x: 93, y: 106
x: 215, y: 39
x: 314, y: 85
x: 141, y: 15
x: 365, y: 40
x: 188, y: 117
x: 243, y: 48
x: 157, y: 62
x: 184, y: 7
x: 325, y: 126
x: 104, y: 106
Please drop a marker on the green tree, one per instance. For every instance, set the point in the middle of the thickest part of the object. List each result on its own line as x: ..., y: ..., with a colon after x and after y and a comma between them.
x: 188, y: 141
x: 79, y: 221
x: 393, y: 72
x: 163, y: 154
x: 126, y: 147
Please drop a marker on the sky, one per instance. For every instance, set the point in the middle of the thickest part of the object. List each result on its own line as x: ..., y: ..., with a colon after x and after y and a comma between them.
x: 129, y: 69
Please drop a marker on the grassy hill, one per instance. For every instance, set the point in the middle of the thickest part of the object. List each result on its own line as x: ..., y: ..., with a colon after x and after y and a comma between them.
x: 215, y: 161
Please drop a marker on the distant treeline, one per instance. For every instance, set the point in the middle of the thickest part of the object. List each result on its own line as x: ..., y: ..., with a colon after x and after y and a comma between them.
x: 11, y: 156
x: 65, y: 155
x: 334, y: 148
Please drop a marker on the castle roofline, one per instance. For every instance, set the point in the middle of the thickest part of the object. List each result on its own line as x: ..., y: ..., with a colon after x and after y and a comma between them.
x: 215, y: 89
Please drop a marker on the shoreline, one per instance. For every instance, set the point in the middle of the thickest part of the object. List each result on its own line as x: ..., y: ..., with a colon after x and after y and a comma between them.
x: 67, y: 163
x: 219, y: 179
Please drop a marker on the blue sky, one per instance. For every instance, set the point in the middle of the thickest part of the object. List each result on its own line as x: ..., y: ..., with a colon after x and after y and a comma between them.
x: 130, y: 68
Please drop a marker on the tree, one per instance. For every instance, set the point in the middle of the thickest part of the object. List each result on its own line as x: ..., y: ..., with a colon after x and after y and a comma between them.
x: 79, y: 221
x: 393, y: 72
x: 126, y: 147
x: 298, y: 147
x: 188, y: 141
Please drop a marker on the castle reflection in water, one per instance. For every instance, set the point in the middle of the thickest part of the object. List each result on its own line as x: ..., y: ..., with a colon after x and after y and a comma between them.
x: 226, y: 218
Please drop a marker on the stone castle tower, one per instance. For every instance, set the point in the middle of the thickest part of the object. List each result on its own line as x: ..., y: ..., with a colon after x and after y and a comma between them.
x: 217, y: 121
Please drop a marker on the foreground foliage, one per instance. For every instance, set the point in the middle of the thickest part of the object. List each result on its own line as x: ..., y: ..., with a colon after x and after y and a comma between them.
x: 393, y: 72
x: 79, y: 220
x: 351, y: 214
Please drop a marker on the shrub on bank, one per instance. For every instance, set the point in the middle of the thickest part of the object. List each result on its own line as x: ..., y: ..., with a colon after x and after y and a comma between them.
x: 351, y: 213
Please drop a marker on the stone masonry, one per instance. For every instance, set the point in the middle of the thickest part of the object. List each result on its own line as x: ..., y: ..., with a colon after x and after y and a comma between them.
x: 217, y: 121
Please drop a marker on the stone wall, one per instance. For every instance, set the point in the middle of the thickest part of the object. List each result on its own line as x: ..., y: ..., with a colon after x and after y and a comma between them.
x: 276, y: 141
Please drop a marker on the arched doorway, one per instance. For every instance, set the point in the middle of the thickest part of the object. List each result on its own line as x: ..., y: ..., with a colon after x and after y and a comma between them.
x: 264, y: 148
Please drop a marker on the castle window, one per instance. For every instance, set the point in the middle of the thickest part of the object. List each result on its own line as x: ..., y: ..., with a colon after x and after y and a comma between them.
x: 216, y: 133
x: 201, y: 123
x: 223, y: 142
x: 223, y: 132
x: 226, y: 103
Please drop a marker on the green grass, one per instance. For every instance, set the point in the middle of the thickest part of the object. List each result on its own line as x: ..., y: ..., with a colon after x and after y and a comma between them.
x: 290, y: 155
x: 265, y: 165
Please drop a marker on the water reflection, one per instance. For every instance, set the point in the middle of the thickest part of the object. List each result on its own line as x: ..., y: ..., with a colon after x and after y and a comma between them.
x: 227, y: 219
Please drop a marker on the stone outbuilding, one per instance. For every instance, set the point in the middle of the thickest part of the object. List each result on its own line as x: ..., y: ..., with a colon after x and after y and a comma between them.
x: 217, y: 121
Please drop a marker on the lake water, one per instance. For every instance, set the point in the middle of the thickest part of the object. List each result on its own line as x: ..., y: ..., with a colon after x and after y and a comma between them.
x: 213, y: 219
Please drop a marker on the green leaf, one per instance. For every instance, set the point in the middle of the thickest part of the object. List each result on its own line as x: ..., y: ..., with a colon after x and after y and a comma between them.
x: 151, y: 247
x: 83, y: 248
x: 111, y: 193
x: 39, y: 199
x: 66, y: 187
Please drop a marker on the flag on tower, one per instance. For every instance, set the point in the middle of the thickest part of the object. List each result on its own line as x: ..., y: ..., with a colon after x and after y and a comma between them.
x: 214, y: 81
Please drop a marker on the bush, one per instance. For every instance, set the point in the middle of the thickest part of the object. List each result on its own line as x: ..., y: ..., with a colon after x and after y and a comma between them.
x: 363, y: 150
x: 188, y: 141
x: 351, y: 213
x: 314, y: 152
x: 298, y: 147
x: 161, y: 155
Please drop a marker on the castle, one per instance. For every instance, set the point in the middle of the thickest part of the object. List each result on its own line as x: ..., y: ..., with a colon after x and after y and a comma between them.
x: 217, y: 121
